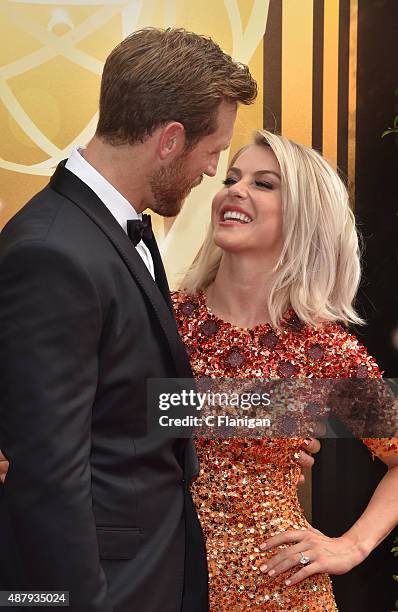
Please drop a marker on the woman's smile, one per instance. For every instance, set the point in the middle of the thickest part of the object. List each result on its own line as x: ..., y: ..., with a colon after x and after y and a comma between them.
x: 231, y: 215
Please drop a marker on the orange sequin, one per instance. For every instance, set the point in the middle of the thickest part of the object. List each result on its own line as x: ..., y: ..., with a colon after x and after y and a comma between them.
x: 246, y: 490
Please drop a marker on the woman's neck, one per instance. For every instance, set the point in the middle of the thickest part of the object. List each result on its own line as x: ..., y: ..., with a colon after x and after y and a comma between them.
x: 240, y: 291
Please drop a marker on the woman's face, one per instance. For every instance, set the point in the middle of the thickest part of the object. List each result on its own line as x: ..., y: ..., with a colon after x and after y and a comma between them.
x: 247, y: 212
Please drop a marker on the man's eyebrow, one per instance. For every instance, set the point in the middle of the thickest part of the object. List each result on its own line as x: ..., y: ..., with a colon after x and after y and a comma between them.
x: 224, y: 148
x: 237, y: 171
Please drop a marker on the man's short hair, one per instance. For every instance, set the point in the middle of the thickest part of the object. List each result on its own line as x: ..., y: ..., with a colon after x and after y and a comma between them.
x: 155, y: 76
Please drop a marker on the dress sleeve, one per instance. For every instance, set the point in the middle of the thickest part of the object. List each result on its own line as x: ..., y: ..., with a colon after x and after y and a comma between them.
x: 366, y: 394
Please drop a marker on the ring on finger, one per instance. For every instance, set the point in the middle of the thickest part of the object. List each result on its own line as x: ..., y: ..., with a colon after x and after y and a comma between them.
x: 304, y: 560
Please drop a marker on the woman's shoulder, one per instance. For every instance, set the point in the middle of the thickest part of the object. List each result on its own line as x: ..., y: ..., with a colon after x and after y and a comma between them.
x: 181, y: 297
x: 185, y: 304
x: 177, y: 297
x: 344, y: 349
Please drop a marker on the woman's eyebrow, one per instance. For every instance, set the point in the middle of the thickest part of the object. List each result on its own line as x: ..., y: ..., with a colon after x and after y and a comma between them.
x: 268, y: 172
x: 238, y: 171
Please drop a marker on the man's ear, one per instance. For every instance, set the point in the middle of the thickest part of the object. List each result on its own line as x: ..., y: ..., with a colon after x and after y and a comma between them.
x: 171, y: 140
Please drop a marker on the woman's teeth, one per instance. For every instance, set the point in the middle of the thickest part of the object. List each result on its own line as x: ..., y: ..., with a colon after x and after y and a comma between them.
x: 236, y: 216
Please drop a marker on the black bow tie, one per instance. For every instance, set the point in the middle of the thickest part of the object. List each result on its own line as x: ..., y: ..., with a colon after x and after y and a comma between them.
x: 139, y: 230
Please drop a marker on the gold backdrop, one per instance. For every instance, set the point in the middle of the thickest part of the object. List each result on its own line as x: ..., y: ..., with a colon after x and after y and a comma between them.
x: 51, y: 61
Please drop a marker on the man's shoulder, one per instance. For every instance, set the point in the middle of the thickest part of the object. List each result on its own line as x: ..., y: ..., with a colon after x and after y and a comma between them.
x: 49, y: 218
x: 34, y: 219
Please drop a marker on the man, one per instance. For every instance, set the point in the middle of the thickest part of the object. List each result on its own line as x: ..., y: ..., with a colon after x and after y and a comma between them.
x: 89, y: 505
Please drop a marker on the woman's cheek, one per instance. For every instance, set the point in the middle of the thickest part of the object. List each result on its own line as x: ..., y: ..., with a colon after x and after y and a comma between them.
x: 215, y: 207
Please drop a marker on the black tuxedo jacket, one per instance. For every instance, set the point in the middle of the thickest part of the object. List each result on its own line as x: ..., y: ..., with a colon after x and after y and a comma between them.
x: 89, y: 505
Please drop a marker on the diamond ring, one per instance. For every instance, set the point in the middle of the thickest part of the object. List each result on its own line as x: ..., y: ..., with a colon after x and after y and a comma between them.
x: 303, y: 559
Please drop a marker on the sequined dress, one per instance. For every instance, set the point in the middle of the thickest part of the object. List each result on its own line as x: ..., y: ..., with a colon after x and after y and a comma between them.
x: 246, y: 490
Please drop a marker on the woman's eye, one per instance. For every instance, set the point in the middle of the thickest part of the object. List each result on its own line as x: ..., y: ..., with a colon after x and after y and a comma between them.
x: 229, y: 181
x: 264, y: 185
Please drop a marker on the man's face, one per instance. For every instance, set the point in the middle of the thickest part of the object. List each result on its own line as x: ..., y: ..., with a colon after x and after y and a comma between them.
x: 172, y: 184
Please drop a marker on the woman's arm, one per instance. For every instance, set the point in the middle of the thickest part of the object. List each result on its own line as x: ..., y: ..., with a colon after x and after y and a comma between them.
x: 339, y: 555
x: 381, y: 514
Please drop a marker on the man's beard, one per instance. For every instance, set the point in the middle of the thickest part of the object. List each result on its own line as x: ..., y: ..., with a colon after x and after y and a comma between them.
x: 170, y: 187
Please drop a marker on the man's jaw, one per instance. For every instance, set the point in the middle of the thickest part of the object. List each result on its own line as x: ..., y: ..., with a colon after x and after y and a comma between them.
x: 197, y: 182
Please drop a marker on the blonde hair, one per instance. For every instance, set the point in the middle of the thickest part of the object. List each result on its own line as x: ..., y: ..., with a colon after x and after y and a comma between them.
x: 318, y: 271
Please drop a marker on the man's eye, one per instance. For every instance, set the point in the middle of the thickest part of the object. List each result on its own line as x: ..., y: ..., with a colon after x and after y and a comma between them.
x: 229, y: 181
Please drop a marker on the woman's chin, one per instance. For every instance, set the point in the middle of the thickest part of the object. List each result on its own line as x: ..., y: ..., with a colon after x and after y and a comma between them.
x: 229, y: 242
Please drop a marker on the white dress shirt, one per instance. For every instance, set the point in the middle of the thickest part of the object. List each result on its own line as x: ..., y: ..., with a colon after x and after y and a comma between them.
x: 117, y: 204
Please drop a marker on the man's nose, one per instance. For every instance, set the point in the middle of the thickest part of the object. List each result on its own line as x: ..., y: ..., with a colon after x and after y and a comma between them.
x: 213, y: 165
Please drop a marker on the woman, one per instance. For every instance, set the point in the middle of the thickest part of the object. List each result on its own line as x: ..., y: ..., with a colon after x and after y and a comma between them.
x: 278, y: 271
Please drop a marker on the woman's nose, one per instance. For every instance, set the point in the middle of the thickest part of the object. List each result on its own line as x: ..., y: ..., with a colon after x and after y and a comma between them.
x: 238, y: 190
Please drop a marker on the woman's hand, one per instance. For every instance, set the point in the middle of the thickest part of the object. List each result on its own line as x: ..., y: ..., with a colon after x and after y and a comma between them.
x: 329, y: 555
x: 4, y: 465
x: 305, y: 459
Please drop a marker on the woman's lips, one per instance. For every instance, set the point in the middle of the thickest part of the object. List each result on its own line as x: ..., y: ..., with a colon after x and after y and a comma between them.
x: 231, y: 222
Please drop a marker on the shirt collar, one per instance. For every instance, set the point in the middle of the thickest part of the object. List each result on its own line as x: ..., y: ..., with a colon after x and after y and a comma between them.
x: 117, y: 204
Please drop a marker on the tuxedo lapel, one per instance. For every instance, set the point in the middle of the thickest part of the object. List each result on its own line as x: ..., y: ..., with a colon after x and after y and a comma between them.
x: 69, y: 185
x: 160, y: 274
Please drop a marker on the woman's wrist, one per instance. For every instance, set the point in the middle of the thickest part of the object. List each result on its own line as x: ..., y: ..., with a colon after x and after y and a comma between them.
x: 359, y: 547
